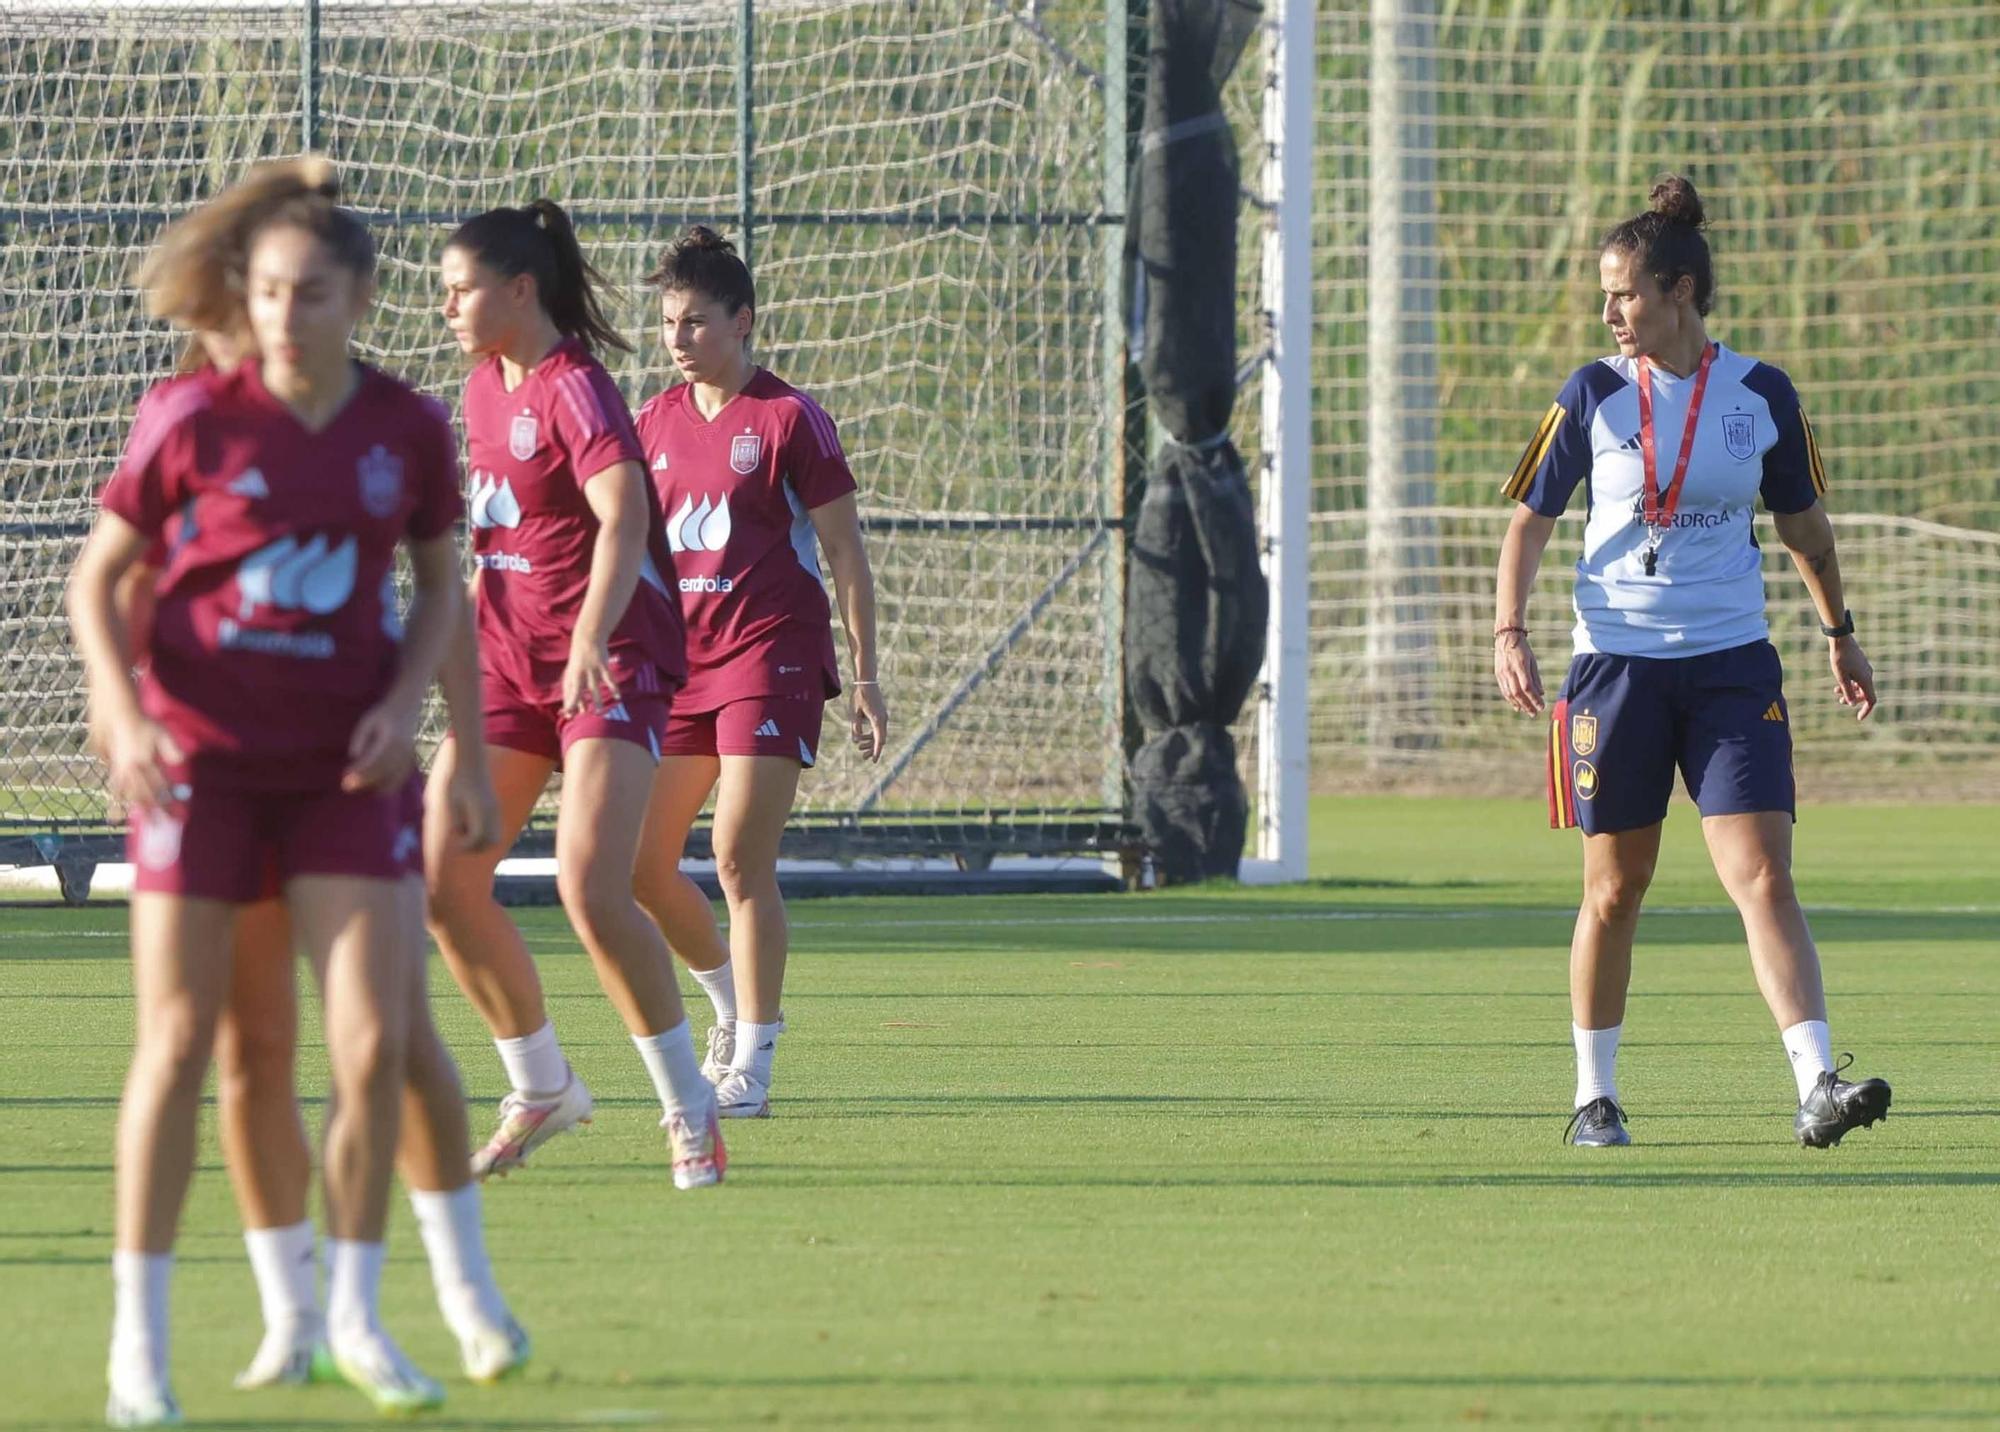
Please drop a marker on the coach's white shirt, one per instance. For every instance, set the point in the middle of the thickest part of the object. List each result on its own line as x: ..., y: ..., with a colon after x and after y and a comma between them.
x: 1707, y: 590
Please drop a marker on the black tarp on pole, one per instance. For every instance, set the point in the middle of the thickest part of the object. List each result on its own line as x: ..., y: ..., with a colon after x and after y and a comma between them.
x: 1196, y: 598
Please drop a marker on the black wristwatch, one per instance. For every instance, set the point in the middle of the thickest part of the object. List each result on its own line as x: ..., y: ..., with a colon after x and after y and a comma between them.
x: 1846, y: 627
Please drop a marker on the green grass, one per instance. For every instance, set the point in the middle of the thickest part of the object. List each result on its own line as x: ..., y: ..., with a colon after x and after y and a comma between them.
x: 1209, y: 1157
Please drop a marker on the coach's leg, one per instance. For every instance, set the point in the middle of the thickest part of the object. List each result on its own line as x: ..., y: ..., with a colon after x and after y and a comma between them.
x: 264, y: 1141
x: 1617, y: 868
x: 678, y: 906
x: 1753, y: 859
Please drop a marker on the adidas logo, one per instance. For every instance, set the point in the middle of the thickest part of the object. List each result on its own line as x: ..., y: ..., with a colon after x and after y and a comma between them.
x: 1773, y: 712
x: 617, y: 712
x: 769, y: 728
x: 660, y: 462
x: 251, y: 484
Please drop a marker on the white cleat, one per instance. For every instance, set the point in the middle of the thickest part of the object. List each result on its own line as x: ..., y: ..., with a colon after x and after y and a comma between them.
x: 284, y: 1359
x: 145, y: 1406
x: 491, y: 1351
x: 695, y: 1142
x: 527, y: 1124
x: 373, y: 1365
x: 721, y: 1051
x: 739, y: 1094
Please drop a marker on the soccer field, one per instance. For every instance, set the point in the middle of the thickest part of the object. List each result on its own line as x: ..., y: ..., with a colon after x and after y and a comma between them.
x: 1217, y: 1158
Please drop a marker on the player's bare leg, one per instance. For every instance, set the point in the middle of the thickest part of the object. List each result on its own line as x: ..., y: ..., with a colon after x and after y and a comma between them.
x: 481, y: 945
x: 753, y: 802
x: 355, y: 932
x: 180, y: 974
x: 607, y: 787
x: 1753, y: 859
x: 435, y: 1160
x: 484, y: 950
x: 680, y: 907
x: 264, y: 1143
x: 1617, y: 868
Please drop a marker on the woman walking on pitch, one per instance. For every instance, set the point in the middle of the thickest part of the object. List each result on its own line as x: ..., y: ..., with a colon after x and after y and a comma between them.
x: 750, y: 471
x: 263, y: 1137
x: 1676, y: 438
x: 270, y: 741
x: 580, y: 648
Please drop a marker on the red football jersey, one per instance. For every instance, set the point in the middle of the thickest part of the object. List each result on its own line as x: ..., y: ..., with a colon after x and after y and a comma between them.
x: 737, y: 490
x: 532, y: 451
x: 275, y: 625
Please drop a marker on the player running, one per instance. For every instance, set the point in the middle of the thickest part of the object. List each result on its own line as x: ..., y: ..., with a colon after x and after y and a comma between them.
x: 263, y: 1137
x: 580, y: 650
x: 1676, y: 438
x: 270, y: 740
x: 749, y: 470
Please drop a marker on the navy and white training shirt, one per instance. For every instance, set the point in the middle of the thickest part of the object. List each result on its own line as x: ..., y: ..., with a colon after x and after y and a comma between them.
x: 1707, y: 593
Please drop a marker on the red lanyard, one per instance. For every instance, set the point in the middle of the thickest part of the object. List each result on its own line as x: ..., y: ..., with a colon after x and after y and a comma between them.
x: 1660, y: 514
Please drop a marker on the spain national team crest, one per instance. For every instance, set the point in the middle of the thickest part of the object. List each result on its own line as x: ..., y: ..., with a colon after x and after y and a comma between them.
x: 522, y: 436
x: 1739, y: 435
x: 1584, y: 775
x: 381, y: 476
x: 744, y: 450
x: 1583, y: 734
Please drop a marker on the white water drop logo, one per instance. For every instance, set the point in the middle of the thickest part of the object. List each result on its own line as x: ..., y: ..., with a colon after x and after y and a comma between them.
x: 699, y: 529
x: 289, y: 577
x: 493, y: 503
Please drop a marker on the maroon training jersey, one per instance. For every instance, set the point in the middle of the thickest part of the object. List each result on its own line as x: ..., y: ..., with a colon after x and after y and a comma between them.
x: 736, y: 490
x: 275, y: 625
x: 532, y: 451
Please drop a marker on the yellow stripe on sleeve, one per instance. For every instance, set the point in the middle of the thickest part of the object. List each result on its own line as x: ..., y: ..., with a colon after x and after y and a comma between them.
x: 1537, y: 449
x: 1813, y: 464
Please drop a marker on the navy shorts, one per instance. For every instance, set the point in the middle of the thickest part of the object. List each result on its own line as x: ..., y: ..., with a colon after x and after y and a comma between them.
x: 1623, y: 724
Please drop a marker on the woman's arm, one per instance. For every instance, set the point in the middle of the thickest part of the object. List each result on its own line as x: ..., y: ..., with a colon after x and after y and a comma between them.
x: 838, y: 526
x: 1514, y: 665
x: 1808, y: 536
x: 622, y: 500
x: 137, y: 750
x: 383, y: 749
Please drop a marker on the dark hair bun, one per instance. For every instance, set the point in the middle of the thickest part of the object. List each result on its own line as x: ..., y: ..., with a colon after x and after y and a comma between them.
x: 700, y: 237
x: 1674, y: 200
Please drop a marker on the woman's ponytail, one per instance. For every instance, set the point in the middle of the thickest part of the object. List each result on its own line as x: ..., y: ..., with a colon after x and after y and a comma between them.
x: 539, y: 239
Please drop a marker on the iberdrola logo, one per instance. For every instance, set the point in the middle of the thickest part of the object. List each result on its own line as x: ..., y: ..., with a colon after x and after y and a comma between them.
x: 699, y: 529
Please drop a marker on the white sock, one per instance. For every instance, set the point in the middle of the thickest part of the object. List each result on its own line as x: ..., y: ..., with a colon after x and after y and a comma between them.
x: 535, y: 1063
x: 454, y: 1234
x: 1596, y: 1063
x: 353, y: 1287
x: 756, y: 1047
x: 720, y: 986
x: 287, y: 1275
x: 676, y: 1069
x: 139, y: 1284
x: 1809, y: 1045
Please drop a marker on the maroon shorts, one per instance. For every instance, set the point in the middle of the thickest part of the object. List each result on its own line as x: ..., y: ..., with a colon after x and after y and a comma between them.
x: 242, y: 846
x: 755, y: 726
x: 522, y: 723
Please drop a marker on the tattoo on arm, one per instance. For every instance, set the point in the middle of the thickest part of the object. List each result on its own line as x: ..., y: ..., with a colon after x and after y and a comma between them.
x: 1820, y: 561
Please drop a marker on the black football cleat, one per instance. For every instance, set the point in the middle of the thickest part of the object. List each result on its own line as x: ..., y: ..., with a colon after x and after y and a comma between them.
x: 1598, y: 1124
x: 1834, y: 1106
